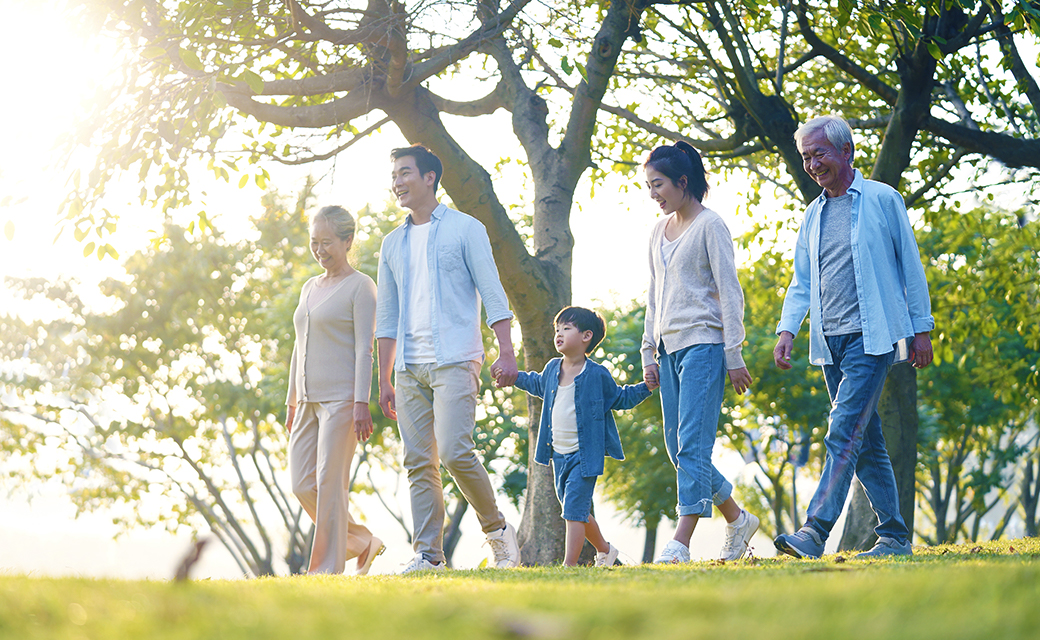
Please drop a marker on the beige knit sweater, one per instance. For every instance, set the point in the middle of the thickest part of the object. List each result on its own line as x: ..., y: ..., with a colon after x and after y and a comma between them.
x: 332, y: 355
x: 697, y: 298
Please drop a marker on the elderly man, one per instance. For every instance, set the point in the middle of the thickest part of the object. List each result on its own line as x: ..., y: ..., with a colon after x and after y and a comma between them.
x: 858, y: 273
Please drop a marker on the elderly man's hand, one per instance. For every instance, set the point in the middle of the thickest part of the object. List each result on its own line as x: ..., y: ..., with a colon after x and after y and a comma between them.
x: 921, y: 350
x: 782, y: 350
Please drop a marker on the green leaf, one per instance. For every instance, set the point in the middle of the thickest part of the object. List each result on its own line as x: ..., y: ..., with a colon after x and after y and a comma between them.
x: 9, y: 230
x: 934, y: 49
x: 88, y: 249
x: 255, y: 82
x: 189, y: 58
x: 243, y: 181
x: 555, y: 42
x: 153, y: 51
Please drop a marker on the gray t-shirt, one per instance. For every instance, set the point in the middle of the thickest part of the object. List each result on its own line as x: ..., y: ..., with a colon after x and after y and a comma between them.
x: 837, y: 276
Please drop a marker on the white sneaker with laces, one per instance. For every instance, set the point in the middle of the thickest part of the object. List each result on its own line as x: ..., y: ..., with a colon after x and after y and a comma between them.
x: 607, y: 559
x: 419, y: 563
x: 673, y: 553
x: 738, y: 534
x: 504, y: 547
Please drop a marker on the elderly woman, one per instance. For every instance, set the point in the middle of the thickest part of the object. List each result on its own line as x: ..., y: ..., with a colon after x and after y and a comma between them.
x: 330, y: 378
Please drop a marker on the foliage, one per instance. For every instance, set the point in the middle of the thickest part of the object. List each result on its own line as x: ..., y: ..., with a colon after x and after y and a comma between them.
x: 981, y: 400
x: 164, y: 402
x: 988, y: 590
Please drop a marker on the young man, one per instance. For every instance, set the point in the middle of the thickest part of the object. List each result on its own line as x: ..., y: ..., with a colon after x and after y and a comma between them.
x: 858, y: 269
x: 434, y: 272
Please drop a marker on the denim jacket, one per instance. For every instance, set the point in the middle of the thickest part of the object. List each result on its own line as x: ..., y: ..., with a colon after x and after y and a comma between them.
x: 462, y: 274
x: 596, y: 396
x: 890, y: 280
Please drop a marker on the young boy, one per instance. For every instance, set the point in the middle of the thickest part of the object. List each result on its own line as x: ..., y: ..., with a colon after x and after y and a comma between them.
x: 577, y: 428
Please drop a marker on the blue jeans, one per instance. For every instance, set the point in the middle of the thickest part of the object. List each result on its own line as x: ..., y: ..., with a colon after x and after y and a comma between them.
x: 573, y: 490
x: 692, y: 382
x: 854, y: 441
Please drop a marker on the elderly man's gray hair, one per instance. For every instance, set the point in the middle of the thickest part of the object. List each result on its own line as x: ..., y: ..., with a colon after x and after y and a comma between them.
x: 838, y: 132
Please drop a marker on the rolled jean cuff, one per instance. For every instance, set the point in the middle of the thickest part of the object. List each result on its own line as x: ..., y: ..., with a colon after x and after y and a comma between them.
x: 703, y: 508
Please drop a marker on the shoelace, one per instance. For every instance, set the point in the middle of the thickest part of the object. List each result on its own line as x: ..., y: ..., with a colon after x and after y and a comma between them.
x: 499, y: 548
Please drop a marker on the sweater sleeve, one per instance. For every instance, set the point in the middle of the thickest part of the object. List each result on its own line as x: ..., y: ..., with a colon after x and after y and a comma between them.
x: 648, y: 348
x: 731, y: 297
x: 364, y: 332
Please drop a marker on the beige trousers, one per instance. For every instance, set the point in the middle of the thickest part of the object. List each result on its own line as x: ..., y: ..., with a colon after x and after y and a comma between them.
x: 321, y: 449
x: 436, y: 413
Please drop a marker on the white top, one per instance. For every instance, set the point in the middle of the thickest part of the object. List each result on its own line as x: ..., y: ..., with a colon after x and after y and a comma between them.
x: 418, y: 344
x: 564, y: 419
x: 668, y: 246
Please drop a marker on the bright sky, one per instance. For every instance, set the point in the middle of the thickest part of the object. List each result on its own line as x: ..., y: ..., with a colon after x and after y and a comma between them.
x: 609, y: 259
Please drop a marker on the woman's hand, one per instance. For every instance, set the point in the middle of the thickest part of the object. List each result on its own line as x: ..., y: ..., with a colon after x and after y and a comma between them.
x: 362, y: 421
x: 741, y: 379
x: 652, y: 376
x: 290, y: 414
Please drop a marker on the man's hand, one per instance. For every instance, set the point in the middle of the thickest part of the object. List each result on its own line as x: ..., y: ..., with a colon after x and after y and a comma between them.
x: 362, y: 421
x: 782, y: 350
x: 504, y: 370
x: 388, y: 400
x: 741, y: 379
x: 290, y: 414
x: 652, y: 376
x: 921, y: 350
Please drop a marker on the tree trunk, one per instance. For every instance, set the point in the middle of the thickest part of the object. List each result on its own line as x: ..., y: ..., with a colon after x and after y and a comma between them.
x: 898, y: 409
x: 453, y: 532
x: 650, y: 542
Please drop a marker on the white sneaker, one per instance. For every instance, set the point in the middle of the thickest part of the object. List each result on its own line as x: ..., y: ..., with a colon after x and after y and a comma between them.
x: 504, y: 547
x: 738, y: 534
x: 419, y: 563
x: 673, y: 553
x: 607, y: 559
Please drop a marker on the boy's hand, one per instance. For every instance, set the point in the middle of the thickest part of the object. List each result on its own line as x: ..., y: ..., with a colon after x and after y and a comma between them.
x: 501, y: 378
x: 651, y: 376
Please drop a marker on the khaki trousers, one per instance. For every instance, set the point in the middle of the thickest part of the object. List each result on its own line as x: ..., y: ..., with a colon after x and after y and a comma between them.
x: 436, y: 413
x: 321, y: 449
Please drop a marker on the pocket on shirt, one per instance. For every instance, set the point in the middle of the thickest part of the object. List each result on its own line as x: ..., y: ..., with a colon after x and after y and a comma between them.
x: 450, y: 258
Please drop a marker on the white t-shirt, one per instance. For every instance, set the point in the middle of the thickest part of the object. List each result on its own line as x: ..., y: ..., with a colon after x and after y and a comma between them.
x: 668, y: 246
x: 565, y: 420
x: 418, y: 337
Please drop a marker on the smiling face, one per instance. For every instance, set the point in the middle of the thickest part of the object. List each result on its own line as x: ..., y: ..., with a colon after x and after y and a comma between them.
x: 668, y: 195
x: 827, y: 165
x: 327, y: 248
x: 413, y: 189
x: 569, y: 340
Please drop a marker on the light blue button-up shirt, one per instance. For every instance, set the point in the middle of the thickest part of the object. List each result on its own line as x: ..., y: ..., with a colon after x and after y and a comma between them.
x: 462, y: 274
x: 890, y: 282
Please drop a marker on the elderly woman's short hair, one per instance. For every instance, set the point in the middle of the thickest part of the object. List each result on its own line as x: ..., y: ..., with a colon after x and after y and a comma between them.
x: 339, y: 219
x: 838, y: 132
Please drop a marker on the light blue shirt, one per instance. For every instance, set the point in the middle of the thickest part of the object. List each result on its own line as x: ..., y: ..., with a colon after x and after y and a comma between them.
x: 462, y: 274
x: 890, y: 282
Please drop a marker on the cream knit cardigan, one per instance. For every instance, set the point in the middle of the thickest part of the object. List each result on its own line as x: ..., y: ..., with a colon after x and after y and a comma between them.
x: 332, y: 355
x: 697, y: 298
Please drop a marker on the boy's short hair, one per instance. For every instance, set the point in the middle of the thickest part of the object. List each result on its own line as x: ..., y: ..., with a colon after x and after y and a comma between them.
x: 425, y: 161
x: 585, y: 320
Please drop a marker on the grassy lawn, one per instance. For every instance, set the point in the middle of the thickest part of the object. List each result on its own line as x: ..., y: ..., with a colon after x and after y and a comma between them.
x: 991, y: 590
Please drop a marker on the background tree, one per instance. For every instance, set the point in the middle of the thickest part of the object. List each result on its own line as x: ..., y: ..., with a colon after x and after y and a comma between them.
x: 198, y: 71
x: 981, y: 402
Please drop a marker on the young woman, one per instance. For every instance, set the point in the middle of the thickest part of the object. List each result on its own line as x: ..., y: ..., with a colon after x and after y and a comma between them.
x: 692, y: 339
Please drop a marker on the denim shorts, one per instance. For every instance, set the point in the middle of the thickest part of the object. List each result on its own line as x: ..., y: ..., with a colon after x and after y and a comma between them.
x: 573, y: 490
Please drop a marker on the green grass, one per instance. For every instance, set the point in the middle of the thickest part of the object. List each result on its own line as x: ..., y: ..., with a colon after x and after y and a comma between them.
x: 987, y: 591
